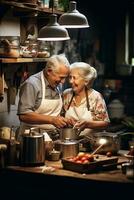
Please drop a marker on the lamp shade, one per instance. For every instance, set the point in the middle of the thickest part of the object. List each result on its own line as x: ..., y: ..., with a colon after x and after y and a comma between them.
x: 53, y: 31
x: 73, y: 18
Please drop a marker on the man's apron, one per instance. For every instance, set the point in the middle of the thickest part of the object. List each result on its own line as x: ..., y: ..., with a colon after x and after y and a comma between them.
x: 51, y: 107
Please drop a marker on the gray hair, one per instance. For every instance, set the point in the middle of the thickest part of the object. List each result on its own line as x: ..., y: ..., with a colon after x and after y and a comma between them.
x: 86, y: 71
x: 55, y: 60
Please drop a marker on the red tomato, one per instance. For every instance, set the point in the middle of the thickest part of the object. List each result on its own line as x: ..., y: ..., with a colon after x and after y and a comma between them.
x: 84, y: 158
x: 78, y: 161
x: 71, y: 159
x: 81, y: 154
x: 109, y: 154
x: 90, y: 158
x: 85, y: 162
x: 75, y: 158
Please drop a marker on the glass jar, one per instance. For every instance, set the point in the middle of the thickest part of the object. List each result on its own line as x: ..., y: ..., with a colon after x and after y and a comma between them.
x: 29, y: 49
x: 9, y: 46
x: 43, y: 50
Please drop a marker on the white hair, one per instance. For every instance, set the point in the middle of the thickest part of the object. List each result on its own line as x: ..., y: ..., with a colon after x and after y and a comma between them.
x: 86, y: 71
x: 55, y: 61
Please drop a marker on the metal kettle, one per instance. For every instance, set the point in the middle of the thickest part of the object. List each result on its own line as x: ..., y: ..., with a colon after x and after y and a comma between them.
x: 32, y: 149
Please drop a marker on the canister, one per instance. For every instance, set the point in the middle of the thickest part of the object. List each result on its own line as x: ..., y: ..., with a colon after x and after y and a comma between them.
x: 32, y: 150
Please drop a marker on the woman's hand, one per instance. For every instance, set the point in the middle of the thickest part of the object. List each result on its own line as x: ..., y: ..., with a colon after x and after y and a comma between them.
x: 81, y: 125
x: 71, y: 121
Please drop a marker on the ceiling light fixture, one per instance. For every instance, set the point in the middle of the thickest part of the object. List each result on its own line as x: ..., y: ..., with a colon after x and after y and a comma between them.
x: 53, y: 31
x: 73, y: 18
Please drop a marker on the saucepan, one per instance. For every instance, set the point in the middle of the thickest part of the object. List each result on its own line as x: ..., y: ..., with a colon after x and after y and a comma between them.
x: 68, y: 143
x: 69, y: 132
x: 112, y: 142
x: 67, y: 147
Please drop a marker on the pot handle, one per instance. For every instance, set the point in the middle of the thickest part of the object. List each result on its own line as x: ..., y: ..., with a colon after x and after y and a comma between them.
x: 86, y: 137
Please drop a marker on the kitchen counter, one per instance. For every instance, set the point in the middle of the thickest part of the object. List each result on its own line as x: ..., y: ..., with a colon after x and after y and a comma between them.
x: 114, y: 176
x: 38, y: 181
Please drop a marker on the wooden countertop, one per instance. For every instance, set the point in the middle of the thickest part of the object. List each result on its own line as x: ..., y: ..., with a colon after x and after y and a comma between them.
x: 34, y: 183
x: 113, y: 175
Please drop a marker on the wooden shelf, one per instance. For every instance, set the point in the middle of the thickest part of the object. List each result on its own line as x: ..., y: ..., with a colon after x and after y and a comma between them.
x: 22, y: 60
x: 23, y: 7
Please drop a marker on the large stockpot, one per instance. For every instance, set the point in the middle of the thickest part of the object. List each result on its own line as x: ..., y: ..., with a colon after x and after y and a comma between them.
x: 32, y: 151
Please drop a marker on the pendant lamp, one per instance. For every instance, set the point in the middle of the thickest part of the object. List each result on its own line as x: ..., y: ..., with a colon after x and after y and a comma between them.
x: 73, y: 18
x: 53, y: 31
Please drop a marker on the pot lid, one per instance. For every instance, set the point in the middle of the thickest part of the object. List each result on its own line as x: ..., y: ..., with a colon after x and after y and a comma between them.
x: 105, y: 134
x: 68, y: 141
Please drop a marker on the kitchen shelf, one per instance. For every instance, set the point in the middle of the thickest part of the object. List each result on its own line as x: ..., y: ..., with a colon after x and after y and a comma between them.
x: 22, y: 60
x: 23, y: 7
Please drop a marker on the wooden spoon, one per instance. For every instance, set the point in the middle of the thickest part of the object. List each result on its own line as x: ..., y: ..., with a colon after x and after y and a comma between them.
x: 99, y: 147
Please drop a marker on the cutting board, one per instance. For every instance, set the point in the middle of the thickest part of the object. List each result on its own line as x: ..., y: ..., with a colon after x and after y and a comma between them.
x: 100, y: 162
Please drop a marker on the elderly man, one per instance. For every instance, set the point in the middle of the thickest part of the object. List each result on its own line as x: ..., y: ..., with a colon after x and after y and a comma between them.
x: 40, y: 101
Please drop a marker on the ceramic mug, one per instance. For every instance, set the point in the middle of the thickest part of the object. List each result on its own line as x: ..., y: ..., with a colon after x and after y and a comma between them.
x: 5, y: 133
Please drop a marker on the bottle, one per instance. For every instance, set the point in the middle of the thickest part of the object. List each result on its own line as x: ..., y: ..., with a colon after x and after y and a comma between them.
x: 3, y: 149
x: 12, y: 148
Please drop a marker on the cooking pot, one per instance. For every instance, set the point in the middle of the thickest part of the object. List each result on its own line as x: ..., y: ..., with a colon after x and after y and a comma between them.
x: 112, y: 142
x: 54, y: 155
x: 71, y: 133
x: 32, y: 152
x: 68, y: 147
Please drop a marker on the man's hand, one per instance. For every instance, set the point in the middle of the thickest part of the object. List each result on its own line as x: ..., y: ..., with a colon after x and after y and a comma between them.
x: 59, y: 122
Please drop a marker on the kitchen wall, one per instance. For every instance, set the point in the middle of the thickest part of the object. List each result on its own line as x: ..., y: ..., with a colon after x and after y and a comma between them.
x: 8, y: 107
x: 9, y: 26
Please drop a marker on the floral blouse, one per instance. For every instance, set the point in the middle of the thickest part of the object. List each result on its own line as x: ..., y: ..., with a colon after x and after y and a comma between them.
x: 97, y: 105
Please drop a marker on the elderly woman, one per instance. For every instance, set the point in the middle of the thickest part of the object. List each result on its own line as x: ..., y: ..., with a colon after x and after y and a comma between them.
x: 84, y: 107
